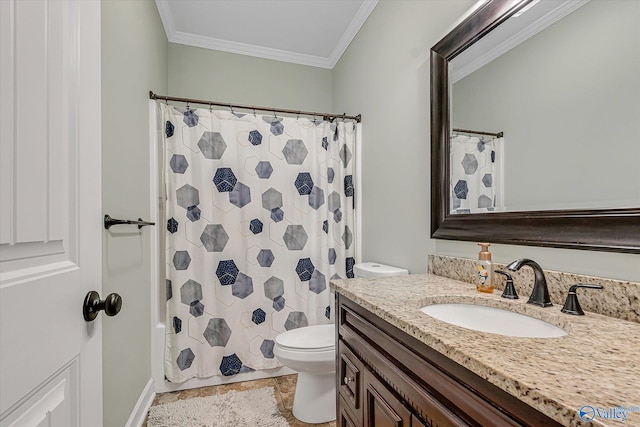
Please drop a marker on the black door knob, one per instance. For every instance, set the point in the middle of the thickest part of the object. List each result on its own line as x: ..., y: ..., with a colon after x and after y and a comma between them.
x: 93, y: 304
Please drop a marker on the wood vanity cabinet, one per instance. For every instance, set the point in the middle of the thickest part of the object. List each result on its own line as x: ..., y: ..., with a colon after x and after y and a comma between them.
x: 385, y: 377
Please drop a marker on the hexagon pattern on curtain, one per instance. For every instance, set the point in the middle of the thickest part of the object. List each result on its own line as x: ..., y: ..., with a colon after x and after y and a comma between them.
x: 475, y: 177
x: 259, y: 219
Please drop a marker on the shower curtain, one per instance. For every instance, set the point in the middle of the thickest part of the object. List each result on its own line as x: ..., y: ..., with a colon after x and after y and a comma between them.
x: 476, y: 178
x: 260, y: 216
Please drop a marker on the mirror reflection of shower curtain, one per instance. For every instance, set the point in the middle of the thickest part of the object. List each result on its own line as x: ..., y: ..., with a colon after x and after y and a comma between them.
x: 476, y: 173
x: 260, y: 216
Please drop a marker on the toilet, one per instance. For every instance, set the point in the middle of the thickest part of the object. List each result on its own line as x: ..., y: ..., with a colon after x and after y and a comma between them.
x: 311, y: 352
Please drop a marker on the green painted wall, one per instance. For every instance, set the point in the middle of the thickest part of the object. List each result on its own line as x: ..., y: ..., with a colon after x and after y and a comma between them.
x: 134, y: 60
x: 220, y: 76
x: 384, y: 74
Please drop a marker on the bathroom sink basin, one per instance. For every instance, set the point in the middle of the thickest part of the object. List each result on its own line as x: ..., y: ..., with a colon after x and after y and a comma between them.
x: 494, y: 320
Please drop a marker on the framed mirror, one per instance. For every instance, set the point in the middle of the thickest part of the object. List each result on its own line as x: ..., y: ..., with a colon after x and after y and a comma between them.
x: 581, y: 224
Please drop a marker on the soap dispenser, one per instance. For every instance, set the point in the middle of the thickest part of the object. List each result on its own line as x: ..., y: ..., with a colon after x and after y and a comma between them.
x: 484, y: 276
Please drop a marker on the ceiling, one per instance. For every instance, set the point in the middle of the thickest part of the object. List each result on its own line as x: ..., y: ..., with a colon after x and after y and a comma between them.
x: 308, y: 32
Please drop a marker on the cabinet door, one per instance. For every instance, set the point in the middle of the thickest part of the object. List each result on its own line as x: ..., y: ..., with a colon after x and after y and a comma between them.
x: 381, y: 407
x: 345, y: 419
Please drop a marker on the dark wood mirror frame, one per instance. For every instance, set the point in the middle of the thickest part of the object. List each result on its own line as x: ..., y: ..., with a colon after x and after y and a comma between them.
x: 612, y: 230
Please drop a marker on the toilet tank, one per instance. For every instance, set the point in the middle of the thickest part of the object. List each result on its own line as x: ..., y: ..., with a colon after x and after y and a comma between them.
x: 375, y: 269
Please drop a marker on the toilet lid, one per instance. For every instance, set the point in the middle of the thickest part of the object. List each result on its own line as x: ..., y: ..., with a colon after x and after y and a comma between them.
x: 319, y: 337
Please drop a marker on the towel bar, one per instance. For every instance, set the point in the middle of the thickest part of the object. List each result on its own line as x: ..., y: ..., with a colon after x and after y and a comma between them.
x: 108, y: 222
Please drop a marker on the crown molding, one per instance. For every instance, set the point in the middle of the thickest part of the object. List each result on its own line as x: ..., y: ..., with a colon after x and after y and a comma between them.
x: 519, y: 37
x: 166, y: 18
x: 356, y: 23
x: 248, y: 49
x: 205, y: 42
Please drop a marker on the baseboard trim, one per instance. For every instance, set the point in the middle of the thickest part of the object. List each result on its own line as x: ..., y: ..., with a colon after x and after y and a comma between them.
x: 139, y: 413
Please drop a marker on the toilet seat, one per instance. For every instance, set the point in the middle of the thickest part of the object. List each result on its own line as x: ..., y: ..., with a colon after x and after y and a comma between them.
x: 317, y: 338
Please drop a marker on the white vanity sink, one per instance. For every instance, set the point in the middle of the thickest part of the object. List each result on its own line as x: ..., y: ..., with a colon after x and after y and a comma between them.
x: 494, y: 320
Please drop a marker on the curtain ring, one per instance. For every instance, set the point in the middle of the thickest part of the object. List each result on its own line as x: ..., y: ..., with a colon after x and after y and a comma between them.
x: 275, y: 115
x: 231, y: 108
x: 210, y: 108
x: 166, y: 100
x: 254, y: 112
x: 298, y: 118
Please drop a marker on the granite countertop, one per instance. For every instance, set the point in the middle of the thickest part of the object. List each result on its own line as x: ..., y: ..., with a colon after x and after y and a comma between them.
x: 596, y: 364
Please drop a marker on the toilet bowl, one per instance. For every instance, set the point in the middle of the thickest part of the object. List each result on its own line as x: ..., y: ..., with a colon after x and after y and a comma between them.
x: 311, y: 352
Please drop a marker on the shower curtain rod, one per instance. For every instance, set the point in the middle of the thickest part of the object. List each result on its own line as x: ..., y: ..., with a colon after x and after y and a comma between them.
x: 325, y: 116
x: 497, y: 135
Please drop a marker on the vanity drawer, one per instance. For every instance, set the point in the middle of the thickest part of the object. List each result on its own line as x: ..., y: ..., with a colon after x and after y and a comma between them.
x: 350, y: 372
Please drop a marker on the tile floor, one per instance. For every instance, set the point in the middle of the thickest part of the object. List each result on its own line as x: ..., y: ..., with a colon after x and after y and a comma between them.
x: 283, y: 388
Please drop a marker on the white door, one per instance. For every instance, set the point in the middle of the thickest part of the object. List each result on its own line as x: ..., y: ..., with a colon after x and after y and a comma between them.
x: 50, y: 219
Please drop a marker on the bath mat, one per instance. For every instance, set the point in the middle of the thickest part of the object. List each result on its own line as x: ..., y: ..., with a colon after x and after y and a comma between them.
x: 235, y: 408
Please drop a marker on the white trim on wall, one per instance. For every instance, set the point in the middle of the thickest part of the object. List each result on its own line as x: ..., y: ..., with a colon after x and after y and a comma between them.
x: 139, y: 413
x: 166, y: 18
x: 358, y: 21
x: 205, y: 42
x: 358, y: 193
x: 157, y: 341
x: 248, y: 49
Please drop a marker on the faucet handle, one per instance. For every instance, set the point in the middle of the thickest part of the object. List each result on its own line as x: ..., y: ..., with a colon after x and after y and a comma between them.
x: 571, y: 304
x: 509, y: 290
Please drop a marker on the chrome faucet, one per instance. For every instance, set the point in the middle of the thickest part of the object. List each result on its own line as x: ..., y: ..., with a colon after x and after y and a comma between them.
x: 540, y: 294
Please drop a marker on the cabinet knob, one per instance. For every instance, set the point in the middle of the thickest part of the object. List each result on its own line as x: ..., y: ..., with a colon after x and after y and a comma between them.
x: 348, y: 380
